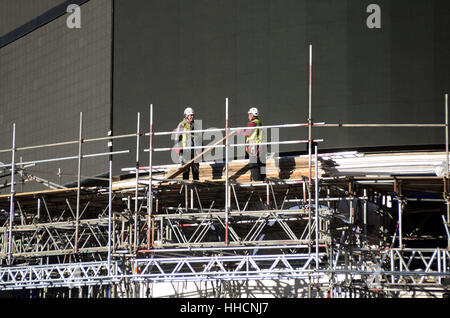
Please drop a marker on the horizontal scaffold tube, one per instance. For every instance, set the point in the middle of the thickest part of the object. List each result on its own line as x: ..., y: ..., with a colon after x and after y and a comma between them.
x: 67, y: 158
x: 164, y: 133
x: 382, y: 125
x: 237, y: 145
x: 65, y: 143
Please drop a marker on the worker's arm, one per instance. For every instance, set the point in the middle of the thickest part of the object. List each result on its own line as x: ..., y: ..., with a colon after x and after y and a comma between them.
x: 178, y: 138
x: 249, y: 131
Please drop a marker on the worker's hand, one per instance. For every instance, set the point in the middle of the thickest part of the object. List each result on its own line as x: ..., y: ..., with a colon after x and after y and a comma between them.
x: 178, y: 151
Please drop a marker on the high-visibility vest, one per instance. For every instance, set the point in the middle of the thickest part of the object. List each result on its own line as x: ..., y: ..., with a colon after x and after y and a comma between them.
x: 254, y: 138
x: 184, y: 126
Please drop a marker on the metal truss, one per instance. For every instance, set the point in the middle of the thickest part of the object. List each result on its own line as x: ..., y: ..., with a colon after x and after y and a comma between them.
x: 254, y: 267
x: 59, y: 275
x: 249, y: 228
x: 259, y: 214
x: 400, y: 269
x: 409, y: 269
x: 48, y: 227
x: 57, y: 238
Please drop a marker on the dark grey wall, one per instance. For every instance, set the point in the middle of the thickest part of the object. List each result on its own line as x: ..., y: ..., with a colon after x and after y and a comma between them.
x: 47, y: 78
x: 15, y: 13
x: 178, y: 53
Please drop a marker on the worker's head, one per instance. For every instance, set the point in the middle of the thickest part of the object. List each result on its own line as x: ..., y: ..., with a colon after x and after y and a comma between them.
x: 253, y: 113
x: 189, y: 114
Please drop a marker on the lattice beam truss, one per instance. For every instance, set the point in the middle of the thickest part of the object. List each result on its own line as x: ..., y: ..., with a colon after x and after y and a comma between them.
x: 313, y: 229
x: 59, y: 275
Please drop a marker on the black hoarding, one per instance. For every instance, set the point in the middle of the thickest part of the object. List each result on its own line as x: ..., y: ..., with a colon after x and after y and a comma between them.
x: 371, y: 64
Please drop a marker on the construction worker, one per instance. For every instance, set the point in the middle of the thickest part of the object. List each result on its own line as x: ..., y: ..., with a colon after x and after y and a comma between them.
x: 253, y: 135
x: 186, y: 139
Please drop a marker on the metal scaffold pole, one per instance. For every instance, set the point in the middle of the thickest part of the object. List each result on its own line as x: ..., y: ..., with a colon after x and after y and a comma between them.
x: 309, y: 147
x: 227, y: 143
x: 447, y: 222
x: 11, y: 204
x: 110, y: 145
x: 150, y: 180
x: 136, y: 199
x: 400, y: 216
x: 446, y: 137
x: 365, y: 214
x: 316, y: 197
x: 80, y: 157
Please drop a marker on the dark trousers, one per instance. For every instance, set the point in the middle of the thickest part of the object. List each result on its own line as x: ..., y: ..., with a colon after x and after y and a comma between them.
x: 194, y: 167
x: 195, y: 172
x: 255, y: 165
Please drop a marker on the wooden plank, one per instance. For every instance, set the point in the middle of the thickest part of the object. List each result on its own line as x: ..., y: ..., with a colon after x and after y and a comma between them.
x: 189, y: 163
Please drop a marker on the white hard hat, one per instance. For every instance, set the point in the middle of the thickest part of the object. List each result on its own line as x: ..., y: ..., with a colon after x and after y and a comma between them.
x: 253, y: 111
x: 189, y: 111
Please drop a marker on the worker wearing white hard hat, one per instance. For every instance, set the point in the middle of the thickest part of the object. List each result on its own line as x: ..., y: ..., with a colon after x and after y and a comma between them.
x: 253, y: 111
x: 186, y: 139
x: 189, y: 111
x: 254, y: 137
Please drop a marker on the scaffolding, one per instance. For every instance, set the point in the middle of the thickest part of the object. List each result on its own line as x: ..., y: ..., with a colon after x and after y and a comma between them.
x: 161, y: 229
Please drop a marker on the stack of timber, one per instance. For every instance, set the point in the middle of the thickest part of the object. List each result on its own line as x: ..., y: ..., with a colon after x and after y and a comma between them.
x: 385, y: 164
x: 339, y: 164
x: 284, y: 168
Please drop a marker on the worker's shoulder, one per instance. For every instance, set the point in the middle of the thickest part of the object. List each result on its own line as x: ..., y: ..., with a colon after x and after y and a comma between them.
x: 181, y: 123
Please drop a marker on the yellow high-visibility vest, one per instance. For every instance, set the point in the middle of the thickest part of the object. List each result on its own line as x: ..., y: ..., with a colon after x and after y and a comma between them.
x: 184, y: 126
x: 254, y: 138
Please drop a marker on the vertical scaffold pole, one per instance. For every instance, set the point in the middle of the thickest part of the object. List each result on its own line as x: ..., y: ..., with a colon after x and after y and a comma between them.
x: 39, y: 209
x: 150, y: 179
x: 136, y: 201
x: 365, y: 215
x: 11, y: 203
x: 400, y: 216
x: 446, y: 168
x: 446, y: 136
x: 80, y: 157
x: 316, y: 197
x: 110, y: 146
x: 227, y: 143
x: 309, y: 147
x: 350, y: 197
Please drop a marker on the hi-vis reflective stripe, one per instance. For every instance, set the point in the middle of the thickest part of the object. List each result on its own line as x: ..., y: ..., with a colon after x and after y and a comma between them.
x: 186, y: 128
x: 256, y: 136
